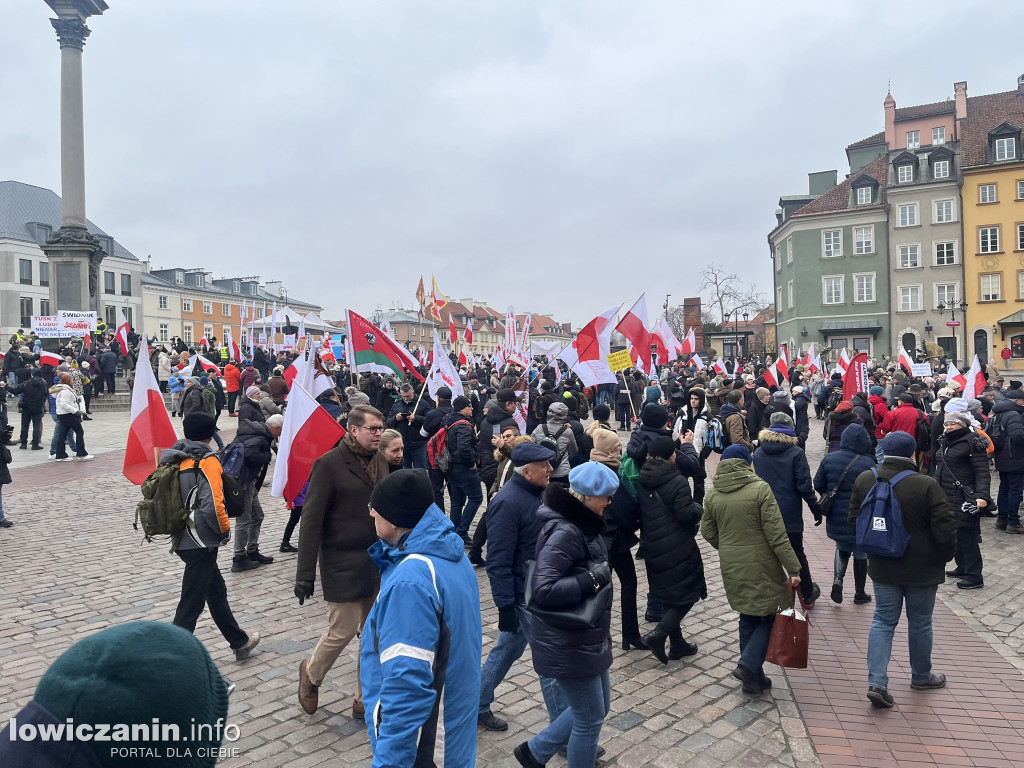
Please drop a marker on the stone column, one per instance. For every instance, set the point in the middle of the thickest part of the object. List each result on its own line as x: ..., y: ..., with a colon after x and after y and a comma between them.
x: 74, y: 254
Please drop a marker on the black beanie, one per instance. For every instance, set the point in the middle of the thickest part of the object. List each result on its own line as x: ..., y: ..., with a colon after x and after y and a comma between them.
x: 403, y: 497
x: 662, y: 447
x: 199, y: 426
x: 654, y: 416
x: 602, y: 412
x: 461, y: 402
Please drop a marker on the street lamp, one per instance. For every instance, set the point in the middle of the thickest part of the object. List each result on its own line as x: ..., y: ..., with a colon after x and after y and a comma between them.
x: 667, y: 296
x: 953, y: 323
x: 735, y: 314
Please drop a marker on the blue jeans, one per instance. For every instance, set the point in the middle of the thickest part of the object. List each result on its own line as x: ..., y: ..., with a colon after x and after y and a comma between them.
x: 1011, y: 491
x: 589, y: 700
x: 889, y: 601
x: 755, y: 634
x: 879, y: 453
x: 1, y: 502
x: 466, y: 491
x: 60, y: 434
x: 415, y: 457
x: 503, y: 655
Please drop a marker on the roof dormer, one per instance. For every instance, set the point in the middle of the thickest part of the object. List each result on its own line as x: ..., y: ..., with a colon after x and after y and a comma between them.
x: 904, y: 167
x: 864, y: 190
x: 1004, y: 143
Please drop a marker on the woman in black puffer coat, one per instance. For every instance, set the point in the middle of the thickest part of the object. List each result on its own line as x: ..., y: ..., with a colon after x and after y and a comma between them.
x: 571, y: 565
x: 675, y: 572
x: 960, y: 457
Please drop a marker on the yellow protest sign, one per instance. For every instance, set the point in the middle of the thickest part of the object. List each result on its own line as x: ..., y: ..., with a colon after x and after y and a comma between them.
x: 619, y: 361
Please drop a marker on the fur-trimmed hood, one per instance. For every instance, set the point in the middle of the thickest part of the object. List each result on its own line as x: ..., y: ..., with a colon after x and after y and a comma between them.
x: 767, y: 437
x: 558, y: 502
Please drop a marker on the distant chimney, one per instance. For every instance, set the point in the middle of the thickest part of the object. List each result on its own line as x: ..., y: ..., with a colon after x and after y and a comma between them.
x: 890, y: 120
x: 1020, y: 84
x: 960, y: 93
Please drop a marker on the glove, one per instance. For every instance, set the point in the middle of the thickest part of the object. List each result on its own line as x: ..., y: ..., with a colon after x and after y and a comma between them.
x: 508, y: 619
x: 818, y: 517
x: 303, y: 589
x: 601, y: 573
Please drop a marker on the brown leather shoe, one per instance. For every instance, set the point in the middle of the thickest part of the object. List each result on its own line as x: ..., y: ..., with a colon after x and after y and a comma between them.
x: 309, y: 697
x: 358, y: 710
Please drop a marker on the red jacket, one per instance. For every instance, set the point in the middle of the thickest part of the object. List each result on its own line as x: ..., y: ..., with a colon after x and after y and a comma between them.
x: 231, y: 375
x: 901, y: 419
x: 879, y: 410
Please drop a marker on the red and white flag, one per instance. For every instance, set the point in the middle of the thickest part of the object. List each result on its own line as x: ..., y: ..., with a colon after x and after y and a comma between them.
x: 975, y: 380
x: 498, y: 358
x: 856, y: 377
x: 812, y: 361
x: 689, y: 344
x: 48, y: 358
x: 205, y: 364
x: 904, y: 359
x: 522, y: 390
x: 442, y: 372
x: 308, y: 432
x: 150, y: 430
x: 122, y: 332
x: 633, y: 326
x: 233, y: 349
x: 467, y: 335
x: 782, y: 364
x: 719, y: 366
x: 462, y: 358
x: 954, y: 375
x: 309, y: 373
x: 511, y: 337
x: 587, y: 354
x: 843, y: 362
x: 770, y: 375
x: 452, y: 334
x: 668, y: 346
x: 203, y: 342
x: 697, y: 361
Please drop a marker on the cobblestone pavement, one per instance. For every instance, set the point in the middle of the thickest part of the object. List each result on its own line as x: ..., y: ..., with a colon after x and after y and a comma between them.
x: 73, y: 565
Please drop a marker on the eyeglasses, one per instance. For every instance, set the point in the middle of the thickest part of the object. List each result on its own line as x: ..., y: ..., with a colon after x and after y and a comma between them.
x: 374, y: 430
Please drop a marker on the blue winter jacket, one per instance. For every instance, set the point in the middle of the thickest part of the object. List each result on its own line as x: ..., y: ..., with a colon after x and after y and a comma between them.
x: 781, y: 463
x: 512, y: 530
x: 854, y: 446
x: 175, y: 383
x: 422, y: 640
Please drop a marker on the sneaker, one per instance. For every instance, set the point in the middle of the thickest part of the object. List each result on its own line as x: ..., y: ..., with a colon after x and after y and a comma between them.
x: 240, y: 564
x: 5, y: 523
x: 87, y: 457
x: 52, y: 456
x: 935, y: 681
x: 241, y: 654
x: 487, y: 720
x: 309, y: 696
x: 1015, y: 528
x: 880, y: 698
x: 965, y: 584
x: 260, y: 558
x: 287, y: 547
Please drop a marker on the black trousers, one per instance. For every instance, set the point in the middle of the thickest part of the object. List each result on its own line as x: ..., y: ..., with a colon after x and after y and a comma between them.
x: 698, y: 489
x: 479, y: 536
x: 202, y: 585
x: 437, y: 480
x: 806, y: 585
x: 670, y: 620
x: 968, y: 552
x: 35, y: 420
x: 232, y: 398
x: 622, y: 564
x: 293, y: 520
x: 108, y: 380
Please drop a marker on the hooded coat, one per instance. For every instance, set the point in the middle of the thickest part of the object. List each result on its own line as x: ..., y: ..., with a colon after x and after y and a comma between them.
x: 558, y: 414
x: 735, y: 425
x: 855, y: 451
x: 694, y: 419
x: 256, y: 440
x: 570, y: 539
x: 1010, y: 458
x: 425, y: 625
x: 835, y: 424
x: 742, y: 521
x: 781, y: 463
x: 212, y: 526
x: 670, y: 518
x: 512, y: 530
x: 879, y: 410
x: 493, y: 422
x: 960, y: 456
x: 865, y: 411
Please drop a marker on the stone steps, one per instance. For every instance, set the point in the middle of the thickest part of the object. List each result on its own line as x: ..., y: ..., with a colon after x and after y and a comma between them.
x: 119, y: 401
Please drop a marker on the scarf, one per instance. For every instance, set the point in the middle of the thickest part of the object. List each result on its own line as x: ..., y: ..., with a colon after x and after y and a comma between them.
x: 366, y: 457
x: 610, y: 461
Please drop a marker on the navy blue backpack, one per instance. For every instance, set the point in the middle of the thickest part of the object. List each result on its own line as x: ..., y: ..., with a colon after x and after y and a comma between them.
x: 880, y: 530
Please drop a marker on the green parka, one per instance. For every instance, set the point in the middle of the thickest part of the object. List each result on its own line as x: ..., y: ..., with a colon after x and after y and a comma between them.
x: 742, y: 521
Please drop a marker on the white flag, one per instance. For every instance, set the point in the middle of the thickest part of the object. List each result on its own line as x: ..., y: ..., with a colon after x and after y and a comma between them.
x: 442, y: 373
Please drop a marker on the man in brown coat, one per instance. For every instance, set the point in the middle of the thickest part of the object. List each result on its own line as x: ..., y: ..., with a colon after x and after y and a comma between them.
x: 734, y: 420
x: 337, y: 529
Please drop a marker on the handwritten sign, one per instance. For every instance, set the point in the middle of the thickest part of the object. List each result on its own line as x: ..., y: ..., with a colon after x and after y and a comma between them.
x: 920, y: 369
x: 75, y: 323
x: 45, y: 326
x: 619, y: 361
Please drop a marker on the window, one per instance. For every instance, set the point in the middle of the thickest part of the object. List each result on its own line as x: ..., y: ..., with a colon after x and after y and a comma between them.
x: 863, y: 195
x: 943, y: 211
x: 26, y: 312
x: 908, y: 215
x: 163, y: 302
x: 128, y: 317
x: 778, y: 259
x: 945, y: 254
x: 910, y: 298
x: 1020, y: 190
x: 865, y: 287
x: 179, y: 278
x: 863, y: 239
x: 126, y: 285
x: 832, y: 289
x: 44, y: 306
x: 991, y: 287
x: 778, y: 300
x: 946, y: 294
x: 789, y: 249
x: 913, y: 139
x: 862, y: 344
x: 25, y: 271
x: 837, y: 343
x: 905, y: 174
x: 236, y: 286
x: 941, y: 169
x: 989, y: 238
x: 252, y: 289
x: 110, y: 315
x: 207, y: 307
x: 44, y: 272
x: 108, y: 282
x: 1020, y: 237
x: 833, y: 243
x: 186, y: 305
x: 199, y: 280
x: 165, y: 332
x: 186, y: 333
x: 259, y: 312
x: 1006, y: 149
x: 939, y: 135
x: 910, y: 257
x: 789, y: 291
x: 225, y: 309
x: 987, y: 193
x: 208, y: 332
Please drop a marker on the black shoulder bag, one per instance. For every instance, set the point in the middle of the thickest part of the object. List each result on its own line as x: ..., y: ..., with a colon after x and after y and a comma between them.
x: 826, y: 501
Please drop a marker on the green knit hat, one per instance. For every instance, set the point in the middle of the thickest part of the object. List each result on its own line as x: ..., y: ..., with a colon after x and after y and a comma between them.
x: 133, y: 673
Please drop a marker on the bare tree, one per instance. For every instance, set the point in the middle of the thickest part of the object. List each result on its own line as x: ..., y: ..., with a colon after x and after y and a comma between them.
x: 726, y: 292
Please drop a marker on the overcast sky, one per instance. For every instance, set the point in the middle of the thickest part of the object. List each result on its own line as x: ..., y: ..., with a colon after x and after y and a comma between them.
x: 559, y: 156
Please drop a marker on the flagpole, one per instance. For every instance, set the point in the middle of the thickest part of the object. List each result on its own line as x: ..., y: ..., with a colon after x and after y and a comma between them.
x: 632, y: 405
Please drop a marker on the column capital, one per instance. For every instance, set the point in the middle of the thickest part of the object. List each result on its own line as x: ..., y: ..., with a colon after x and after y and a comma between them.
x: 70, y: 32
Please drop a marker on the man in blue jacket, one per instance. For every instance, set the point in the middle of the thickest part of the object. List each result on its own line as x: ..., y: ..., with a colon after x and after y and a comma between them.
x: 420, y: 654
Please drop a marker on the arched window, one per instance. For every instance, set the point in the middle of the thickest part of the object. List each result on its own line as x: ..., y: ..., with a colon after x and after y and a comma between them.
x: 981, y: 346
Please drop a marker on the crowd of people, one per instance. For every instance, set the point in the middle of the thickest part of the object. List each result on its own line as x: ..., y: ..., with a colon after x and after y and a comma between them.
x: 565, y: 509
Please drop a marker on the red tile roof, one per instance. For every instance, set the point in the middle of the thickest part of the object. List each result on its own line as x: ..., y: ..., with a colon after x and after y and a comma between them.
x: 838, y: 198
x: 926, y: 110
x: 870, y: 141
x: 985, y: 113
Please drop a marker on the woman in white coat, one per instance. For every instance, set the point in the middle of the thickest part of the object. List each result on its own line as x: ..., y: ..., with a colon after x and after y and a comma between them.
x: 69, y: 419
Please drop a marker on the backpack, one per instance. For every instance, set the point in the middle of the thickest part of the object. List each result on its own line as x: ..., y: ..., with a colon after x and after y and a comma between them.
x: 880, y: 530
x: 835, y: 397
x: 629, y: 475
x: 551, y: 443
x: 438, y: 455
x: 162, y: 511
x: 232, y: 462
x: 717, y: 437
x: 996, y: 431
x: 923, y: 433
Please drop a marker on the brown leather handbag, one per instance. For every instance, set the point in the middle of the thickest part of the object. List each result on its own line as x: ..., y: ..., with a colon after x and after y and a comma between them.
x: 790, y: 639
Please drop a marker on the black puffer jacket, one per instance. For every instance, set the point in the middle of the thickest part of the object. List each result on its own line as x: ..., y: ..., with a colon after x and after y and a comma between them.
x: 256, y: 439
x: 1010, y: 458
x: 462, y: 443
x: 781, y: 463
x: 561, y: 550
x: 250, y: 411
x: 640, y: 440
x: 863, y: 409
x: 493, y: 422
x: 670, y: 518
x: 960, y: 456
x: 36, y: 395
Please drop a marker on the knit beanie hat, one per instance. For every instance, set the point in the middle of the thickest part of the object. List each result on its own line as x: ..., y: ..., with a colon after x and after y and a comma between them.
x: 403, y: 497
x: 877, y: 391
x: 899, y: 444
x: 199, y: 426
x: 737, y: 452
x: 602, y: 412
x: 662, y: 447
x: 781, y: 418
x: 204, y: 380
x: 461, y: 402
x: 606, y: 445
x: 956, y: 405
x: 962, y: 418
x: 654, y: 416
x: 253, y: 393
x: 761, y: 392
x: 133, y: 674
x: 358, y: 398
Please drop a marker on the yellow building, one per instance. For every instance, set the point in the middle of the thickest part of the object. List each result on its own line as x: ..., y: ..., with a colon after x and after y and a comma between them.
x: 993, y: 220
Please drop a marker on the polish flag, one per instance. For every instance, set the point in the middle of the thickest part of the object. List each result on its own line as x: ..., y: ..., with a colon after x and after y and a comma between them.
x: 150, y: 430
x: 904, y: 359
x: 122, y: 332
x: 467, y: 335
x: 811, y: 360
x: 48, y: 358
x: 633, y: 326
x: 975, y: 380
x: 308, y: 432
x: 770, y: 375
x: 203, y: 342
x: 954, y: 376
x: 668, y: 346
x: 782, y: 364
x: 204, y: 363
x: 309, y: 373
x: 586, y: 355
x: 696, y: 360
x: 689, y: 345
x: 233, y: 349
x: 462, y: 357
x: 451, y: 330
x: 325, y: 351
x: 843, y: 362
x: 719, y: 366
